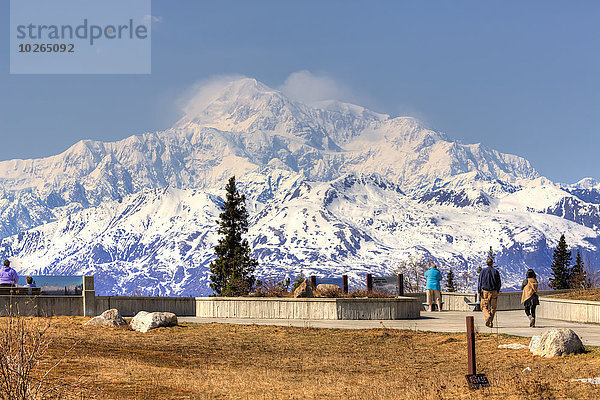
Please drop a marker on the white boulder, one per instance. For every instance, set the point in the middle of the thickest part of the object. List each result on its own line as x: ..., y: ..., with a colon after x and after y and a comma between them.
x: 110, y: 317
x: 556, y: 342
x: 144, y: 321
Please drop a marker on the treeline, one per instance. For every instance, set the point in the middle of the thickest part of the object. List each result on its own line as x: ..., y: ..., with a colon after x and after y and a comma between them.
x: 566, y: 275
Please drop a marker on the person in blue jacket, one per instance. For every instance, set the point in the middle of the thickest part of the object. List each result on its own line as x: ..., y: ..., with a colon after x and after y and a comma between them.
x: 433, y: 288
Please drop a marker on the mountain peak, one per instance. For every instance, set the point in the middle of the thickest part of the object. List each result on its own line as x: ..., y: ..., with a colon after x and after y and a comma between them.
x: 247, y: 87
x: 586, y: 183
x: 216, y: 99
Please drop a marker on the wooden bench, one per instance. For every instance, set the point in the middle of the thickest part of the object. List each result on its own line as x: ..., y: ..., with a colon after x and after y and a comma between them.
x: 19, y: 291
x: 474, y: 306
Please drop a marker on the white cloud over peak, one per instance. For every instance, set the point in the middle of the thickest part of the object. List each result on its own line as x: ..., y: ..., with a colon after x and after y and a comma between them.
x: 202, y: 93
x: 309, y: 88
x: 302, y: 86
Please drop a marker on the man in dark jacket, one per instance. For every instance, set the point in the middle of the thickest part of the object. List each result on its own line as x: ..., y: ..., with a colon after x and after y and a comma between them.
x: 488, y: 287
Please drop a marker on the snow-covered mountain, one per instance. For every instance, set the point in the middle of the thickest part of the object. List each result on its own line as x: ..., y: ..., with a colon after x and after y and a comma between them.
x: 331, y: 188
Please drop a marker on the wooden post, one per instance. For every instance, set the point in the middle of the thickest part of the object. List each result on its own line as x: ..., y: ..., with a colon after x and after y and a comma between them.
x: 400, y: 284
x: 313, y: 281
x: 345, y: 284
x: 369, y: 283
x: 89, y: 297
x: 471, y: 345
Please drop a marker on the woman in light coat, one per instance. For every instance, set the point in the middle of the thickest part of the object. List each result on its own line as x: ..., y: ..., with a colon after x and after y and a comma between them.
x: 530, y: 298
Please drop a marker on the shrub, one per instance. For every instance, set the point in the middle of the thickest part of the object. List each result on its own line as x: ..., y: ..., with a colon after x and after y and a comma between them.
x: 24, y: 344
x: 329, y: 292
x: 270, y: 288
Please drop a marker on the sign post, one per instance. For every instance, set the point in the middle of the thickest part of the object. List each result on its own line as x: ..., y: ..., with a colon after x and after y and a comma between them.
x: 313, y: 281
x: 345, y: 284
x: 475, y: 380
x: 369, y: 283
x: 471, y: 345
x: 400, y: 285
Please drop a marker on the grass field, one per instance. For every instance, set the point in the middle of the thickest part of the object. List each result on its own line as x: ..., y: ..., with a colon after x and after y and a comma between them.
x: 210, y: 361
x: 589, y: 295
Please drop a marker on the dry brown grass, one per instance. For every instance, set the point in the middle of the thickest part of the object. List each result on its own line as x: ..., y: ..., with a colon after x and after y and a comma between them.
x: 584, y: 294
x: 212, y: 361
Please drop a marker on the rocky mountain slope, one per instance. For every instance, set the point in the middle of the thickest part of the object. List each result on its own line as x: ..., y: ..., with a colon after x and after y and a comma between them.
x: 332, y: 188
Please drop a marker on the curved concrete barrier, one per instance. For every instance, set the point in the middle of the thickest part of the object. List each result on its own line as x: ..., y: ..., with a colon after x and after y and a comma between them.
x: 314, y: 308
x: 569, y: 310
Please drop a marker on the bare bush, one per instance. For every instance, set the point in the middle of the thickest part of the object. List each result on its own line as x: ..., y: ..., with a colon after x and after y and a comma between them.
x: 270, y: 288
x: 24, y: 344
x: 413, y: 270
x: 329, y: 291
x: 592, y: 278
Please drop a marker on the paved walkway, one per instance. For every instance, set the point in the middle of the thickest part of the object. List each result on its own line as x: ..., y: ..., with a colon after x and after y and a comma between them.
x: 509, y: 322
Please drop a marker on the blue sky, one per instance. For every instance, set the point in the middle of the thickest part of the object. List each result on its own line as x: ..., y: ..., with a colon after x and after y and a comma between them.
x: 521, y: 77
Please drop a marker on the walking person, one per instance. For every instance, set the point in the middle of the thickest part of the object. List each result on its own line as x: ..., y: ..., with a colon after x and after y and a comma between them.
x: 8, y: 276
x: 530, y: 298
x: 488, y: 287
x: 434, y: 277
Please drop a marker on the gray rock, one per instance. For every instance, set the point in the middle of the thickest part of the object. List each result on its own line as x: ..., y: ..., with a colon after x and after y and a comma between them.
x: 110, y: 317
x: 556, y: 342
x: 304, y: 289
x: 144, y: 321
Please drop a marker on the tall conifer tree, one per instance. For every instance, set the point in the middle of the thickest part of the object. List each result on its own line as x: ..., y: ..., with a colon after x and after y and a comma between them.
x: 491, y: 257
x: 578, y: 274
x: 232, y: 272
x: 450, y: 285
x: 561, y: 266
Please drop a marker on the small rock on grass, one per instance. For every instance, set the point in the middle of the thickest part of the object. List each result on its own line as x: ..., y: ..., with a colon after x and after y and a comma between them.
x: 556, y: 342
x: 514, y: 346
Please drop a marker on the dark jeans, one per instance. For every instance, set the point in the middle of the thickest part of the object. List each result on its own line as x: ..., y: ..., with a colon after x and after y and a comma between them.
x: 530, y: 305
x: 530, y: 309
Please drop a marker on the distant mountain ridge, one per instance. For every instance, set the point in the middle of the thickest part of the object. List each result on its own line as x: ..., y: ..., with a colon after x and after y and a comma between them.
x: 283, y: 151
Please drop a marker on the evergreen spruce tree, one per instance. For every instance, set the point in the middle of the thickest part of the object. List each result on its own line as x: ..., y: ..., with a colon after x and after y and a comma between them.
x: 578, y: 274
x: 491, y: 256
x: 561, y: 266
x: 232, y: 272
x: 450, y: 285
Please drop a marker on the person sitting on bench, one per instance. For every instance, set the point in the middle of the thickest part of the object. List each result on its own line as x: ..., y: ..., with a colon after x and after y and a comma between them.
x: 30, y: 282
x: 8, y: 276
